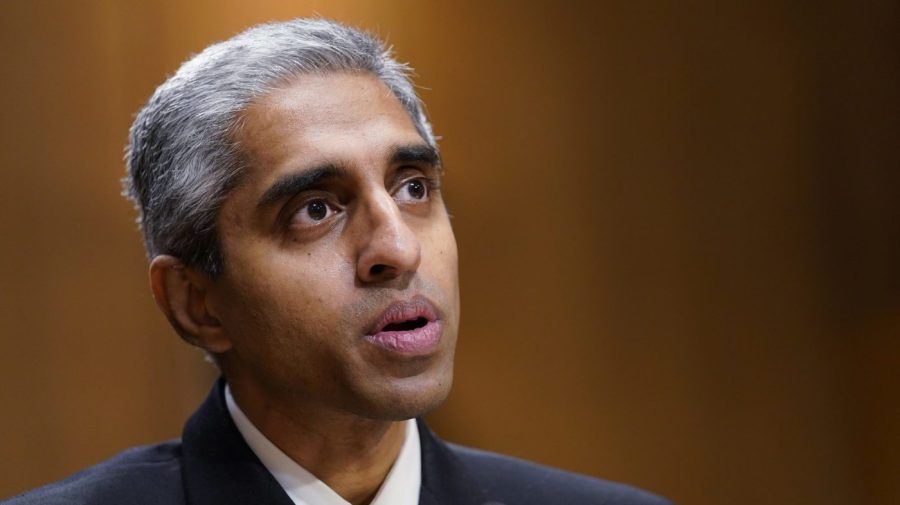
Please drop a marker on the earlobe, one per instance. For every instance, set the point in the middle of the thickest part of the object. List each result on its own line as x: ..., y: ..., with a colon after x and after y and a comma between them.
x: 182, y: 294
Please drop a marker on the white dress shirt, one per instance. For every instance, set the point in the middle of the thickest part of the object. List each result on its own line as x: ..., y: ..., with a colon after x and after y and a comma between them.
x: 400, y: 487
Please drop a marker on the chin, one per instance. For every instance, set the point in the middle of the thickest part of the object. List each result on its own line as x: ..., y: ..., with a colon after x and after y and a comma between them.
x: 409, y: 398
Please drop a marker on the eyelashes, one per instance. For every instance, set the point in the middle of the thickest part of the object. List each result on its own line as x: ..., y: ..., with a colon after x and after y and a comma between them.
x: 314, y: 209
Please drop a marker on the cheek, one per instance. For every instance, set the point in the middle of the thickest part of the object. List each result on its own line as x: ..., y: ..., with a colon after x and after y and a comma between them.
x: 442, y: 254
x: 440, y: 268
x: 286, y: 295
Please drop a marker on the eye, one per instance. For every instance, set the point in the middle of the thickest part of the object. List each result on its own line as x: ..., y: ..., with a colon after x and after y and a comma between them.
x: 412, y: 190
x: 313, y: 212
x: 317, y: 210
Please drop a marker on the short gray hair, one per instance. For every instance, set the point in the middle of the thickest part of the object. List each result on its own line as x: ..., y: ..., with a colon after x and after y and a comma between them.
x: 181, y: 158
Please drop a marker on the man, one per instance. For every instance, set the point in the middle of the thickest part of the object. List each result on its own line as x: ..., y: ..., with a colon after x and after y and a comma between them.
x: 288, y: 185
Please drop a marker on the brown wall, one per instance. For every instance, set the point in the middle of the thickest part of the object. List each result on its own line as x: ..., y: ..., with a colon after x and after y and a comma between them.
x: 679, y: 226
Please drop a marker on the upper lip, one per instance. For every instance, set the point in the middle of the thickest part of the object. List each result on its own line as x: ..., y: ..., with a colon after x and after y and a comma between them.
x: 400, y: 311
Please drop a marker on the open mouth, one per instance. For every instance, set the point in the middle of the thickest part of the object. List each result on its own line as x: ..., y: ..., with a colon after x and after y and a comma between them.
x: 407, y: 329
x: 412, y: 324
x: 404, y: 316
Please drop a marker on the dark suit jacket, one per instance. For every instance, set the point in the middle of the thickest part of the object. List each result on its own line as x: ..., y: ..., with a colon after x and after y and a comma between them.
x: 212, y: 465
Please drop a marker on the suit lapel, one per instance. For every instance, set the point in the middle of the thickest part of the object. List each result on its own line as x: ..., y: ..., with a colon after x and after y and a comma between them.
x: 445, y: 479
x: 219, y: 468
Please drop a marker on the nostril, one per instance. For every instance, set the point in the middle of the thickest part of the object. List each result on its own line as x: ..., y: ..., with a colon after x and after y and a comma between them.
x: 377, y: 269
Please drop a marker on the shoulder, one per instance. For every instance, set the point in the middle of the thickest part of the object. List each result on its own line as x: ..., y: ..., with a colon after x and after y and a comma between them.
x: 140, y: 475
x: 511, y: 480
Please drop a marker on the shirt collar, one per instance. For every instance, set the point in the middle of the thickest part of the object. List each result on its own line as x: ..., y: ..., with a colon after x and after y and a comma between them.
x: 400, y: 487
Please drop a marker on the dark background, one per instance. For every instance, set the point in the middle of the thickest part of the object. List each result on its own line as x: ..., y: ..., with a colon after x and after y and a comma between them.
x: 679, y: 226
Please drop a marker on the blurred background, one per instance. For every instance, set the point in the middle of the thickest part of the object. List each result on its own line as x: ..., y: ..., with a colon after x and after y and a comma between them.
x: 679, y: 226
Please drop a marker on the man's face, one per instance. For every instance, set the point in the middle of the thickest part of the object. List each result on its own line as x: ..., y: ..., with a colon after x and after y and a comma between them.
x: 340, y: 288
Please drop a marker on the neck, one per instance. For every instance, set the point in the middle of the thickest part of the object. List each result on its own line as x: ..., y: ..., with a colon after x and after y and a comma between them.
x: 350, y: 454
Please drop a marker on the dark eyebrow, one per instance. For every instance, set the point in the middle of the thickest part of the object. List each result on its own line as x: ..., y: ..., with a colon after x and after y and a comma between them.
x: 416, y: 153
x: 292, y: 184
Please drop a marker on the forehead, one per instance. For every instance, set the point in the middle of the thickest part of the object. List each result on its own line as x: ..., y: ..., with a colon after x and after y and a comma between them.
x: 317, y: 118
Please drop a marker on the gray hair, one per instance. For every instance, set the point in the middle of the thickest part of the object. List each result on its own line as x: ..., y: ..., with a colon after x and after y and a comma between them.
x: 181, y: 158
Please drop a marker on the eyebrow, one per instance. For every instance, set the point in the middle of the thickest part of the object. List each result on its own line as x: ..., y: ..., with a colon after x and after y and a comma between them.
x: 292, y: 184
x: 416, y: 153
x: 295, y: 183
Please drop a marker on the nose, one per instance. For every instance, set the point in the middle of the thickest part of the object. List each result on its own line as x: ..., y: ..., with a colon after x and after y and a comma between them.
x: 389, y: 248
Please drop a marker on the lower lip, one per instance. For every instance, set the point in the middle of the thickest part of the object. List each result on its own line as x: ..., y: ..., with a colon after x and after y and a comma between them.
x: 412, y: 342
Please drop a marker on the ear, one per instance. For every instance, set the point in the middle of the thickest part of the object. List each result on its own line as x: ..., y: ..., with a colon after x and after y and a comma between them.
x: 182, y: 294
